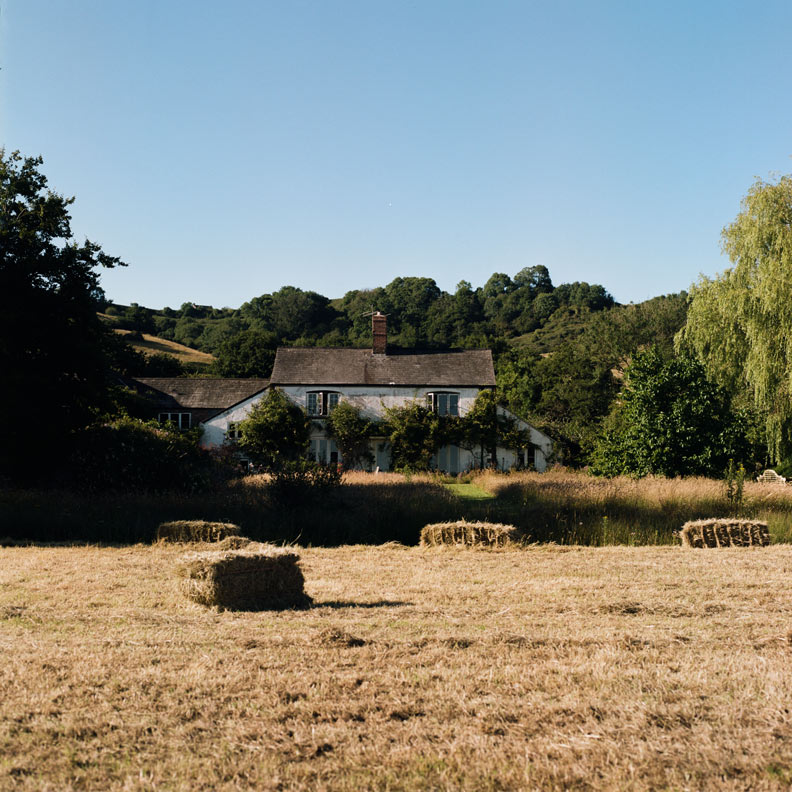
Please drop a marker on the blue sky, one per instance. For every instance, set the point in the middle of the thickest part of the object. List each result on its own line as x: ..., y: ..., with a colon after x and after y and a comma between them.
x: 225, y: 150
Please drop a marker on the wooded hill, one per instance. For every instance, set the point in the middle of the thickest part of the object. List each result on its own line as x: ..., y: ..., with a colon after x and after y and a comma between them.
x: 559, y: 350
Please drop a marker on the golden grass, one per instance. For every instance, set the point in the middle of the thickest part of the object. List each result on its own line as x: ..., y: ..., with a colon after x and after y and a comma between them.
x: 152, y: 344
x: 471, y: 534
x: 623, y: 510
x: 549, y: 668
x: 594, y: 490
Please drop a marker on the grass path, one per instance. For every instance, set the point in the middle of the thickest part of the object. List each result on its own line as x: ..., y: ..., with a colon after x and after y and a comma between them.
x: 445, y: 669
x: 469, y: 491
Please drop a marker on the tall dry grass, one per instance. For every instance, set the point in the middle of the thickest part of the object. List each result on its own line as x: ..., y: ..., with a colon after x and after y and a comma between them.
x: 559, y: 506
x: 574, y: 508
x: 364, y: 510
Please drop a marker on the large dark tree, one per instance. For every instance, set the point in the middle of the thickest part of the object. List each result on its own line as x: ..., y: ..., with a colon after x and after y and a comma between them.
x: 250, y: 353
x: 53, y: 348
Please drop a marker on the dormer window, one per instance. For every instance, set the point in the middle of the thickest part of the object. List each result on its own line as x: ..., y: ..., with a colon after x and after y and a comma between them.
x: 320, y: 403
x: 443, y: 403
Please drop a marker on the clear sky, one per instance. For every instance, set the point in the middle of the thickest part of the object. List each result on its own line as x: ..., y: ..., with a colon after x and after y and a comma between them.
x: 226, y: 149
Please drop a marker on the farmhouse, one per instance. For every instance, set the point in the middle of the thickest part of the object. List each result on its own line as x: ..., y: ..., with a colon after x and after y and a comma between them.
x: 372, y: 379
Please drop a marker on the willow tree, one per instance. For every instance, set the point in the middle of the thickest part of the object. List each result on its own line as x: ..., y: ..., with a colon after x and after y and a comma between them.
x: 740, y: 323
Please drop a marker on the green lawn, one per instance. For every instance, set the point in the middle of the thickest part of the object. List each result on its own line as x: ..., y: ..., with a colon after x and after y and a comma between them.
x: 469, y: 492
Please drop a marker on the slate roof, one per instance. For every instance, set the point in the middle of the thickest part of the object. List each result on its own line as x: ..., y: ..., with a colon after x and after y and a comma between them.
x: 207, y: 394
x: 322, y: 366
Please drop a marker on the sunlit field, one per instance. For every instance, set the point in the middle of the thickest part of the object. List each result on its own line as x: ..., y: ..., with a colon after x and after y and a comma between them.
x: 576, y: 508
x: 548, y: 667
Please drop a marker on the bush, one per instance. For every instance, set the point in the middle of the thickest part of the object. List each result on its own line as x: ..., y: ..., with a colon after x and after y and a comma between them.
x: 130, y: 454
x: 276, y: 433
x: 352, y: 433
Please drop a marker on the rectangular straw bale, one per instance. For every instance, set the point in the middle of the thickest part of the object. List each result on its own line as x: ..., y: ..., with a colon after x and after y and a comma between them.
x: 195, y: 531
x: 725, y: 532
x: 469, y: 533
x: 257, y: 577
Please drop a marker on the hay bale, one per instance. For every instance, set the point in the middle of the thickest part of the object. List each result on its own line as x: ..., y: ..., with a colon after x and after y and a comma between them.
x: 725, y: 532
x: 482, y: 534
x: 257, y: 577
x: 195, y: 531
x: 233, y: 543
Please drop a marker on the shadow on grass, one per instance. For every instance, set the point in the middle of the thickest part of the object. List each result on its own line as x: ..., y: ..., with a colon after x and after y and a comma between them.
x: 338, y: 604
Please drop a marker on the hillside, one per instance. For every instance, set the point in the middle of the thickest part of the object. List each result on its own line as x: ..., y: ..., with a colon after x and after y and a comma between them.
x: 151, y: 345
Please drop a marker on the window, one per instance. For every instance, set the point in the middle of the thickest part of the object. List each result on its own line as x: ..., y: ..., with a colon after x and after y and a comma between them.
x: 324, y: 450
x: 443, y: 403
x: 179, y: 420
x: 233, y: 433
x: 321, y: 402
x: 447, y: 459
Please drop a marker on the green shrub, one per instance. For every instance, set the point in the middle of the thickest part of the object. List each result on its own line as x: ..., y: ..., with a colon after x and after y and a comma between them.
x: 142, y: 456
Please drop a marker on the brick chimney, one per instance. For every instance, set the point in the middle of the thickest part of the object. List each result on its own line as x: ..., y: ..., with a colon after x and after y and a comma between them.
x: 379, y: 329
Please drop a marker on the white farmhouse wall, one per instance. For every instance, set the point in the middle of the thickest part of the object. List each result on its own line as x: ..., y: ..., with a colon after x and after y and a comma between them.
x: 542, y: 445
x: 372, y: 400
x: 215, y: 428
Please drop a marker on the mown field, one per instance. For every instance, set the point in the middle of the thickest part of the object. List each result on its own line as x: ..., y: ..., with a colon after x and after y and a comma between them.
x: 549, y: 667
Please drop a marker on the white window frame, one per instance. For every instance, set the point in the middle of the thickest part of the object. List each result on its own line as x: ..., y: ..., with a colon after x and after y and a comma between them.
x: 233, y: 435
x: 319, y: 404
x: 323, y: 449
x: 181, y: 420
x: 443, y: 402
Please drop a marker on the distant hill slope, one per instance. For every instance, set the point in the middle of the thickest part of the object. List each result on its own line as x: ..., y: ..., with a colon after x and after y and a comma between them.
x: 563, y: 326
x: 150, y: 345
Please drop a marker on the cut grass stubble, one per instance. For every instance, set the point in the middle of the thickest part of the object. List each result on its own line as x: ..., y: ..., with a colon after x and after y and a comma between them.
x: 416, y: 668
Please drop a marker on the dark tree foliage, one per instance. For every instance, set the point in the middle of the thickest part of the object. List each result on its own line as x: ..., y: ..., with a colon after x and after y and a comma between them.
x: 161, y: 364
x: 565, y: 379
x: 670, y: 420
x: 415, y: 433
x: 53, y: 347
x: 139, y: 318
x: 276, y: 432
x: 290, y: 313
x: 483, y: 429
x: 250, y: 353
x: 351, y: 431
x: 126, y: 454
